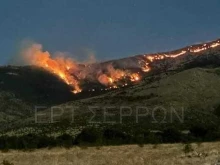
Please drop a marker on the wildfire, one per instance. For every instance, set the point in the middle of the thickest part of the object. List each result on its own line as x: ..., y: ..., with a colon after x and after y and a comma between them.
x: 110, y: 80
x: 69, y: 71
x: 134, y: 77
x: 146, y: 68
x: 151, y: 58
x: 215, y: 44
x: 176, y: 55
x: 35, y: 56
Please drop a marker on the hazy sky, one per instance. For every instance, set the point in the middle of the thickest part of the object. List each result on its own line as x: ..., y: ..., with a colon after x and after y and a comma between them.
x: 111, y: 28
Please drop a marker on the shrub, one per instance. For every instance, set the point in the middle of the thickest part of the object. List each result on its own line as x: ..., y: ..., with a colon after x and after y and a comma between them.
x: 115, y: 136
x: 3, y: 142
x: 89, y: 136
x: 5, y: 162
x: 45, y: 141
x: 198, y: 131
x: 154, y: 138
x: 187, y: 148
x: 29, y: 141
x: 217, y: 111
x: 65, y: 140
x: 171, y: 135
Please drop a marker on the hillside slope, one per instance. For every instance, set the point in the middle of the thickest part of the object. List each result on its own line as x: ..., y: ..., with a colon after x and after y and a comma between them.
x: 34, y: 85
x: 188, y: 82
x: 192, y: 93
x: 194, y: 88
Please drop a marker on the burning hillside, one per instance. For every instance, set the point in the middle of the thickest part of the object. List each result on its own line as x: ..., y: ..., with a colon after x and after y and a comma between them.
x: 111, y: 74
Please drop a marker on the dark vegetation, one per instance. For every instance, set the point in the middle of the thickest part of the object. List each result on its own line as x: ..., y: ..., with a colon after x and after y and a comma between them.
x: 112, y: 135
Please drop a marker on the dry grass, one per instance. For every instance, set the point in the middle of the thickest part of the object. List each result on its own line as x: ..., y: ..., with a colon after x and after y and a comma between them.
x: 166, y: 154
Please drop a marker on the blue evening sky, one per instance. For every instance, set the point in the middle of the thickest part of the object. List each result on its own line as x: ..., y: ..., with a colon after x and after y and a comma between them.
x: 110, y: 28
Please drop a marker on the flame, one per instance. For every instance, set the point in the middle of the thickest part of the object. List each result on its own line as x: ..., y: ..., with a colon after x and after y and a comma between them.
x: 134, y: 77
x: 146, y: 68
x: 69, y: 71
x: 215, y: 44
x: 110, y: 80
x: 197, y: 50
x: 152, y: 58
x: 105, y: 80
x: 112, y: 75
x: 175, y: 55
x: 59, y: 66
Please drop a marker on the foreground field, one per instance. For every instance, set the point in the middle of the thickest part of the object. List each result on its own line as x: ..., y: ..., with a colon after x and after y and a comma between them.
x: 163, y: 154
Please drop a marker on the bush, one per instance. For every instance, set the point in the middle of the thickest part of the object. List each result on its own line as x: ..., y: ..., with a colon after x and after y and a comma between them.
x: 171, y: 135
x: 29, y: 141
x: 5, y: 162
x: 45, y: 141
x: 187, y: 148
x: 89, y: 136
x: 65, y: 140
x: 139, y: 135
x: 199, y: 131
x: 154, y: 138
x: 217, y: 111
x: 3, y: 142
x: 113, y: 136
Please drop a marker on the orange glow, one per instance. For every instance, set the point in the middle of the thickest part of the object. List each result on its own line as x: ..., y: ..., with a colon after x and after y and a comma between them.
x: 196, y: 50
x: 146, y: 68
x: 175, y: 55
x: 69, y: 71
x: 35, y: 56
x: 110, y: 80
x: 151, y: 58
x: 134, y: 77
x: 215, y: 45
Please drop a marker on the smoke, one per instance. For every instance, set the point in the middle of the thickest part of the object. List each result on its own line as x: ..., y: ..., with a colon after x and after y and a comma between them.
x: 29, y: 52
x: 72, y: 71
x: 32, y: 54
x: 104, y: 79
x: 68, y: 69
x: 24, y: 52
x: 110, y: 76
